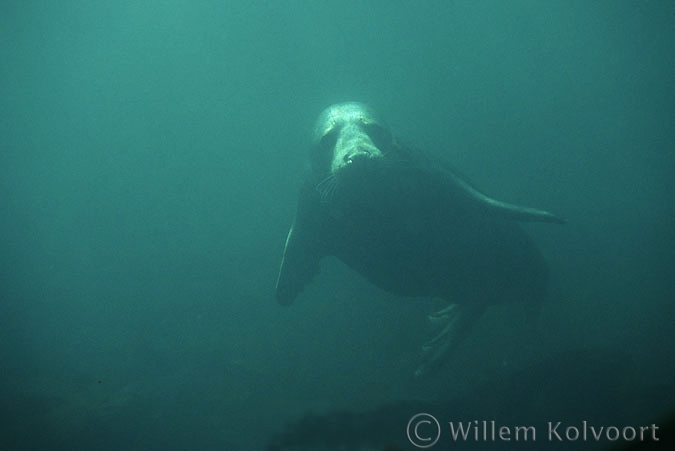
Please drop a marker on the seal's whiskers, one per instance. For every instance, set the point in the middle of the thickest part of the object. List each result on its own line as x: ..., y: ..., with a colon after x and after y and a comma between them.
x: 326, y: 188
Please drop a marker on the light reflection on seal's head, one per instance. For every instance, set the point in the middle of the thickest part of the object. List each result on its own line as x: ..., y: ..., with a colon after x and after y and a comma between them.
x: 346, y: 133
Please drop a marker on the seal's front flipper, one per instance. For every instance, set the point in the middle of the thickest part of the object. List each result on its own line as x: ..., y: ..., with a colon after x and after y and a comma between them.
x: 304, y: 249
x: 456, y: 321
x: 462, y: 192
x: 295, y: 272
x: 503, y: 209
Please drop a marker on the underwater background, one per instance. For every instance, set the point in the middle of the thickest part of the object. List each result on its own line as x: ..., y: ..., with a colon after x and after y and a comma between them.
x: 151, y: 154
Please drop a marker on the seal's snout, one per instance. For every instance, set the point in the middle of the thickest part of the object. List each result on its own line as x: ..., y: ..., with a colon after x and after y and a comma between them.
x: 361, y: 154
x: 346, y: 154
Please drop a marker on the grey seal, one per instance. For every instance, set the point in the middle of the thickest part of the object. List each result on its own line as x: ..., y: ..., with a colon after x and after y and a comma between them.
x: 410, y: 224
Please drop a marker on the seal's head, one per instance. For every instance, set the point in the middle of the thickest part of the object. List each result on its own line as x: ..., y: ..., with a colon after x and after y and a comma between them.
x: 346, y: 133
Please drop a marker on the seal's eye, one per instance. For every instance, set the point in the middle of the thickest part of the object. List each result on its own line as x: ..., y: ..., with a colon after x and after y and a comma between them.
x: 328, y: 140
x: 380, y: 135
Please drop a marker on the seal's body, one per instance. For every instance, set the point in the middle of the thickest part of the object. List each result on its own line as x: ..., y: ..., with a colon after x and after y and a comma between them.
x: 410, y: 225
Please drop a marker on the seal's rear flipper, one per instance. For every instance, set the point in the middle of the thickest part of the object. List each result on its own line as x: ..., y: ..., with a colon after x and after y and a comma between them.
x: 458, y: 320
